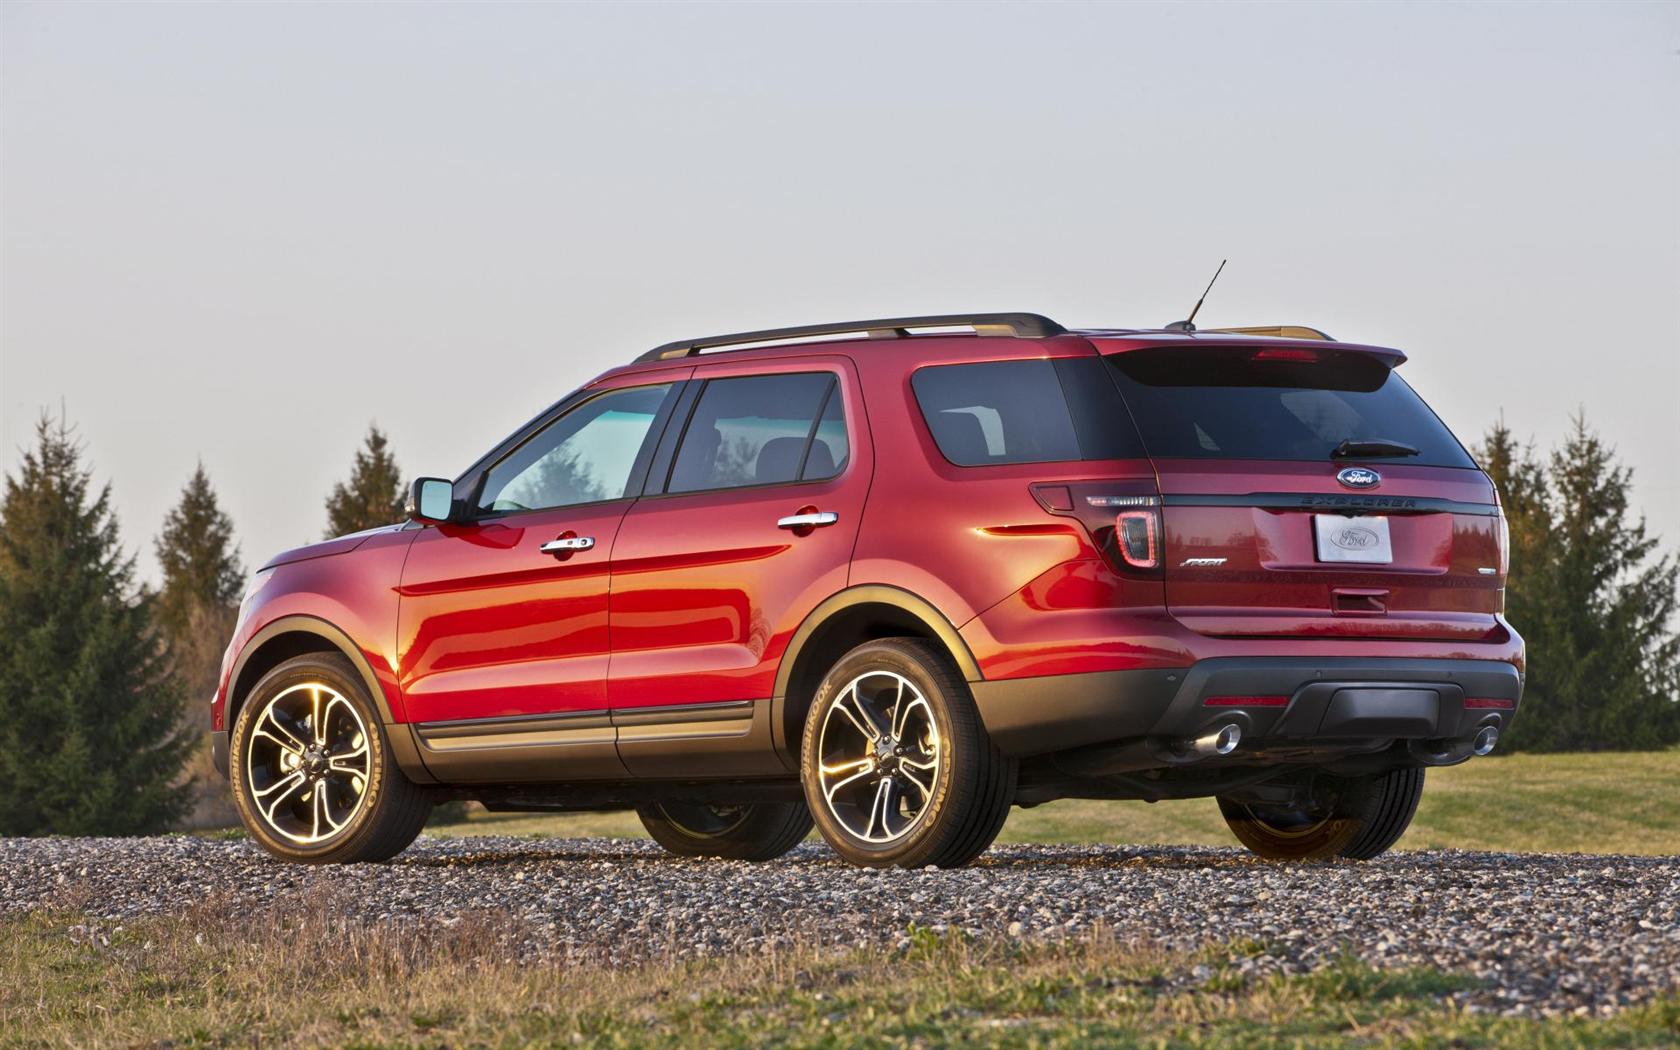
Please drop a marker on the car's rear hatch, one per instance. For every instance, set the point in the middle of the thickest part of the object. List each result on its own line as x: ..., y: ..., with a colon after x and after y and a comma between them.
x: 1269, y: 531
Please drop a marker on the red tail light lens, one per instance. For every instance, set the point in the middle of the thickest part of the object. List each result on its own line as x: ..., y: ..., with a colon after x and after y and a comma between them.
x: 1139, y: 536
x: 1246, y: 701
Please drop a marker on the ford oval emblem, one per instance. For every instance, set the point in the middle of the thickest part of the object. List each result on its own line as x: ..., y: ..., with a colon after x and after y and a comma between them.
x: 1355, y: 538
x: 1359, y: 477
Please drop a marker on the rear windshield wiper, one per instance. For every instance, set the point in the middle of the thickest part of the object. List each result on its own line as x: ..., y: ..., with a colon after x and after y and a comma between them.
x: 1372, y: 447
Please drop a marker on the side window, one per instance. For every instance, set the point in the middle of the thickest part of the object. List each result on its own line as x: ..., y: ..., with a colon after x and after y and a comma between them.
x: 830, y: 450
x: 585, y: 456
x: 754, y: 430
x: 1031, y: 411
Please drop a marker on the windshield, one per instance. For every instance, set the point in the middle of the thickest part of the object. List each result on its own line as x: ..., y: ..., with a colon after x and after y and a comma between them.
x: 1256, y: 403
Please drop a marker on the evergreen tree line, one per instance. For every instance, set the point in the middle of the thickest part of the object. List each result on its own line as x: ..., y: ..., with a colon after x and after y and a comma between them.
x: 104, y: 683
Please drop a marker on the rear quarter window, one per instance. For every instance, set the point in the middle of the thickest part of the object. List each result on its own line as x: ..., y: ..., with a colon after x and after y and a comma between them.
x: 1242, y: 403
x: 1035, y: 411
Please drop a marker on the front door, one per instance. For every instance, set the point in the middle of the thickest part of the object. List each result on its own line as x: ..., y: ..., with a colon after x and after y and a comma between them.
x: 504, y: 616
x: 749, y: 523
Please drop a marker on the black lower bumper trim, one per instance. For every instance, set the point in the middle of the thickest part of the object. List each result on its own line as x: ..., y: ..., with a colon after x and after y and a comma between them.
x: 219, y: 751
x: 1335, y: 698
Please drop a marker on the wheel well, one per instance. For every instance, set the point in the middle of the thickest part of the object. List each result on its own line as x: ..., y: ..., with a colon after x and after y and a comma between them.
x: 269, y: 655
x: 837, y: 636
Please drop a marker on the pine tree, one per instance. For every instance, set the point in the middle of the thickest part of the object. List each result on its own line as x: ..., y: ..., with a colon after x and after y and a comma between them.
x: 90, y: 734
x: 374, y: 494
x: 199, y: 558
x: 202, y: 579
x: 1593, y: 597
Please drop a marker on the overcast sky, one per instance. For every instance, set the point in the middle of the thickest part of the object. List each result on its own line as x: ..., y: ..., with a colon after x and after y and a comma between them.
x: 241, y: 232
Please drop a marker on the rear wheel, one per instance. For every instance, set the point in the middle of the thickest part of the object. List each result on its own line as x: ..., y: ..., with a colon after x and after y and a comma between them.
x: 312, y: 776
x: 897, y: 768
x: 1353, y: 817
x: 753, y: 831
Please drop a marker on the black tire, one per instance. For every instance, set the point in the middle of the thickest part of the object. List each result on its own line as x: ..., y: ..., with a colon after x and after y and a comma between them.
x: 381, y: 820
x: 754, y: 831
x: 1353, y: 817
x: 973, y: 785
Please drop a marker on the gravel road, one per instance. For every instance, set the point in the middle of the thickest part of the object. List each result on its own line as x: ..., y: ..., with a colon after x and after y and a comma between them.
x: 1547, y: 934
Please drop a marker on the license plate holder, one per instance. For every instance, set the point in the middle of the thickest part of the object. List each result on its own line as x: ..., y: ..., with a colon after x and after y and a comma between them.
x: 1362, y: 539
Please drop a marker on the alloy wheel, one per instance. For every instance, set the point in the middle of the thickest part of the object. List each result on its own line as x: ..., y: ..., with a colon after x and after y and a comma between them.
x: 879, y: 757
x: 307, y: 763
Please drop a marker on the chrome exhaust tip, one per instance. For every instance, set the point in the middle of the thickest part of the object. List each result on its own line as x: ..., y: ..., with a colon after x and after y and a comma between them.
x: 1221, y: 741
x: 1486, y: 740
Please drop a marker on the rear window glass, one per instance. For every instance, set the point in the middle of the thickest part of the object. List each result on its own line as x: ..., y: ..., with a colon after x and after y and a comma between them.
x: 1039, y: 411
x: 1243, y: 404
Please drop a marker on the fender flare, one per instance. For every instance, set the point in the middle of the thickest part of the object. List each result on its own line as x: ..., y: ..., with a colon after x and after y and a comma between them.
x: 297, y: 623
x: 399, y: 735
x: 863, y: 594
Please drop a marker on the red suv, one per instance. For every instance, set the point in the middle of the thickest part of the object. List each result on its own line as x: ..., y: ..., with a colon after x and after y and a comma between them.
x: 894, y: 577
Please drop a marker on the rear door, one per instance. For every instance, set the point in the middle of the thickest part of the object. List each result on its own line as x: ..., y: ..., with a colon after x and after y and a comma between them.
x: 1310, y: 492
x: 752, y: 509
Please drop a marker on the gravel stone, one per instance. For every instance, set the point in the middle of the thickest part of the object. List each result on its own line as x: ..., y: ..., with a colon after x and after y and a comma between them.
x: 1546, y: 934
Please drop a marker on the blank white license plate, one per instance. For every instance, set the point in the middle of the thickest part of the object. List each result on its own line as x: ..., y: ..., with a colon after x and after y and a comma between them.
x: 1361, y: 539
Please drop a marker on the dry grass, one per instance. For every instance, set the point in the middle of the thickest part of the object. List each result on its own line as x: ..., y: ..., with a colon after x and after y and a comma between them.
x: 295, y: 976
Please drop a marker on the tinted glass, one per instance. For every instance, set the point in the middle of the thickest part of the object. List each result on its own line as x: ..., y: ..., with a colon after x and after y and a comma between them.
x: 585, y: 456
x: 750, y: 430
x: 1233, y: 404
x: 1024, y: 412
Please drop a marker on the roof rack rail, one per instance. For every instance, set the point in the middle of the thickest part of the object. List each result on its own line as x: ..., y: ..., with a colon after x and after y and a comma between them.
x: 1277, y: 331
x: 1019, y: 325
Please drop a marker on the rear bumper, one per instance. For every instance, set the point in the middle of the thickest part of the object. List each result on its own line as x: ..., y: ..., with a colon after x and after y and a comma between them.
x: 1329, y: 699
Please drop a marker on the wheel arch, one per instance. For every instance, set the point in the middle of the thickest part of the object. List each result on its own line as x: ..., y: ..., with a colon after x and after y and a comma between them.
x: 293, y: 636
x: 840, y: 624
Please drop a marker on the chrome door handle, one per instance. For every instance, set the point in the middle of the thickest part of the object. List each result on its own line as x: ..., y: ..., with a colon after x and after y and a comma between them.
x: 814, y: 520
x: 567, y: 544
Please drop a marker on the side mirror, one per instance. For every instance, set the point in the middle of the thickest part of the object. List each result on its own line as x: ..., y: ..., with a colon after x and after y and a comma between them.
x: 431, y: 500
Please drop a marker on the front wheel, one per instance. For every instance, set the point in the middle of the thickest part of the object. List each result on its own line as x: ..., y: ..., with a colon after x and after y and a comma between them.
x: 312, y: 776
x: 1353, y: 817
x: 752, y: 831
x: 897, y: 768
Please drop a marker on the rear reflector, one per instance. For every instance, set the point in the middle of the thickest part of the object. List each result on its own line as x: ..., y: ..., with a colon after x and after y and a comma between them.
x: 1488, y: 703
x: 1246, y: 701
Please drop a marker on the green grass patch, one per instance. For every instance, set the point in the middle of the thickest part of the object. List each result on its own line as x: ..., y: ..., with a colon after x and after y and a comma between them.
x: 1599, y: 803
x: 290, y: 978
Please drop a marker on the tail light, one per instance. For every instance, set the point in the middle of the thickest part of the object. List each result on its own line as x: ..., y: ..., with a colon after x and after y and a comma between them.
x: 1504, y: 544
x: 1139, y: 538
x: 1123, y: 518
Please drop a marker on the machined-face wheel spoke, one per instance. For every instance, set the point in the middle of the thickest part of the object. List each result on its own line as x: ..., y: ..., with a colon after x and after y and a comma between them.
x: 865, y: 768
x: 850, y: 706
x: 910, y: 777
x: 280, y: 791
x: 270, y: 726
x: 879, y: 757
x: 308, y: 761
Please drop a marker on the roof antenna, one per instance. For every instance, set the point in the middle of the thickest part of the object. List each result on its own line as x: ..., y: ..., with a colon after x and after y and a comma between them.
x: 1188, y: 324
